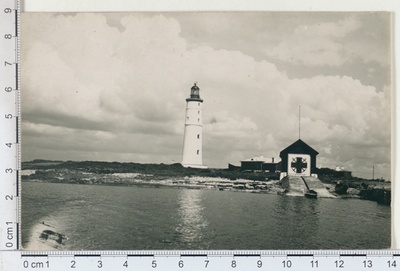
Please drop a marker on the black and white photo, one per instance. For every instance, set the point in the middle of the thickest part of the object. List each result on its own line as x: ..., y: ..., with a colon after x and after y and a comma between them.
x: 206, y: 130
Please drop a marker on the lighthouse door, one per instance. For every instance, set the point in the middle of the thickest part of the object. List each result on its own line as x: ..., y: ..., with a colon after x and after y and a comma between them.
x: 299, y: 164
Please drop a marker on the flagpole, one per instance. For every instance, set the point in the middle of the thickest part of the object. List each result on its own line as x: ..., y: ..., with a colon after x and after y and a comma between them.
x: 299, y: 118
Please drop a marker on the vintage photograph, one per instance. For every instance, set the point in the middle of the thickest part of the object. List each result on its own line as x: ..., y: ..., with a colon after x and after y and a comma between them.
x: 206, y: 130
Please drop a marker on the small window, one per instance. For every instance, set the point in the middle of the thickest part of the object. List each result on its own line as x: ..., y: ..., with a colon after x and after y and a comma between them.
x: 198, y: 112
x: 187, y: 118
x: 198, y: 120
x: 198, y: 151
x: 198, y: 135
x: 198, y: 104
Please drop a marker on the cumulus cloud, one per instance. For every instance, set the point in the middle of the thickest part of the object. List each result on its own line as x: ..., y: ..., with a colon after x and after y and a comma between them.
x: 333, y: 43
x: 102, y: 89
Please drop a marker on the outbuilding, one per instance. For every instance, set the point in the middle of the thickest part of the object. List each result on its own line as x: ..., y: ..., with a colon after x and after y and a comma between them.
x: 298, y: 159
x: 253, y: 164
x: 258, y: 163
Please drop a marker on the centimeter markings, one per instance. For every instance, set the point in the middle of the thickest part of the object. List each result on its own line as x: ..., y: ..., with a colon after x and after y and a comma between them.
x: 202, y: 260
x: 13, y: 259
x: 9, y: 125
x: 18, y: 123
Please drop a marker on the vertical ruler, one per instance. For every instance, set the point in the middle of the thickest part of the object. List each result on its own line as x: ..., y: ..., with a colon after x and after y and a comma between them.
x: 9, y: 124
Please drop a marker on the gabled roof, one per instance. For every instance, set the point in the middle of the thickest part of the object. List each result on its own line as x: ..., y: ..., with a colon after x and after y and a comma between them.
x: 299, y: 147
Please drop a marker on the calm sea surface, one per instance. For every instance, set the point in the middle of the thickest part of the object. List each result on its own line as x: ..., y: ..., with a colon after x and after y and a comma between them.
x: 95, y: 217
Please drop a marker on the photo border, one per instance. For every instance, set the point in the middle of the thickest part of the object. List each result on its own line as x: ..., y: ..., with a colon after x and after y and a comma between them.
x: 259, y: 5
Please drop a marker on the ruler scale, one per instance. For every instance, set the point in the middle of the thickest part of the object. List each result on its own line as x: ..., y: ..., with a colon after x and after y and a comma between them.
x: 9, y: 125
x: 201, y: 260
x: 11, y: 258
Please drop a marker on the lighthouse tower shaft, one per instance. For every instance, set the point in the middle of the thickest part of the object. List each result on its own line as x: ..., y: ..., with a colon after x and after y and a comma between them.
x: 193, y: 137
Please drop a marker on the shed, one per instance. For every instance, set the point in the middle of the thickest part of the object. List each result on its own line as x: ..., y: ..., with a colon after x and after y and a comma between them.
x: 255, y: 163
x: 258, y: 163
x: 299, y: 159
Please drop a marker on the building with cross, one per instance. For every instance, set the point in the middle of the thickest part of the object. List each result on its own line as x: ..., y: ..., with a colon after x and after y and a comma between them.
x: 298, y: 159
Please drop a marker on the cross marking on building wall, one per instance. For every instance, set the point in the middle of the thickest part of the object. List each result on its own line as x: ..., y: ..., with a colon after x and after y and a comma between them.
x: 299, y: 165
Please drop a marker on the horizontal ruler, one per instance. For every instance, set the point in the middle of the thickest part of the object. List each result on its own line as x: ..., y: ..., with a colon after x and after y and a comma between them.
x: 201, y: 260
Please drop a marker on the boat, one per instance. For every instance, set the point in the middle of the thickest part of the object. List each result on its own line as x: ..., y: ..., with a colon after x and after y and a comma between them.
x: 311, y: 194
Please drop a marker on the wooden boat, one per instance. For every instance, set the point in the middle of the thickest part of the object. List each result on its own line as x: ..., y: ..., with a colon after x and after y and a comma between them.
x: 311, y: 194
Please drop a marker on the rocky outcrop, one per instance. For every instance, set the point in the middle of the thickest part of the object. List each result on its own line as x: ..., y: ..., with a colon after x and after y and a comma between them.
x: 341, y: 188
x: 380, y: 195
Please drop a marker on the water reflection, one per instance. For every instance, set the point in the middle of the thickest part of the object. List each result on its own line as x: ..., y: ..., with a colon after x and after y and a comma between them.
x: 192, y: 222
x: 298, y: 220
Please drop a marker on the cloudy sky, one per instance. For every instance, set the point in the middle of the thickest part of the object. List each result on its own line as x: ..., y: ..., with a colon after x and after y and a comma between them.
x: 112, y: 87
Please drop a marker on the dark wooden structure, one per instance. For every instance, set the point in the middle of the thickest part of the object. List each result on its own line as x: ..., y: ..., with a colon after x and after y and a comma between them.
x: 299, y: 164
x: 258, y: 164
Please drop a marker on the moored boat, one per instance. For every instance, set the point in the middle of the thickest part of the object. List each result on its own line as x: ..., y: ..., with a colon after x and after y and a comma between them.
x: 311, y: 194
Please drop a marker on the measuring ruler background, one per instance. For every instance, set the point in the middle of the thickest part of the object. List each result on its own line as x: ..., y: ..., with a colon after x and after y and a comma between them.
x: 203, y: 260
x: 9, y: 124
x: 11, y: 258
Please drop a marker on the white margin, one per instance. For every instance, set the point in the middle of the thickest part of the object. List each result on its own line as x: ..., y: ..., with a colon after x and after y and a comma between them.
x: 256, y: 5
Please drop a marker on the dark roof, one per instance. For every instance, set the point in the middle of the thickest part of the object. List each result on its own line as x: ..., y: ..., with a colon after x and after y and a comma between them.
x: 299, y: 147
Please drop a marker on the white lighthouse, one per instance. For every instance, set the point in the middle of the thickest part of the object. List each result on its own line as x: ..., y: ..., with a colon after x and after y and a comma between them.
x: 193, y: 137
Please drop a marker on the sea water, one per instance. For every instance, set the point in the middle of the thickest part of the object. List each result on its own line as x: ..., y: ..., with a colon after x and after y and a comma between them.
x: 99, y: 217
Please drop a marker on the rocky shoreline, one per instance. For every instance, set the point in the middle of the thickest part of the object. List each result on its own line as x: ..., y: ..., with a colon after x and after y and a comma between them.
x: 378, y: 192
x: 128, y: 174
x: 138, y: 179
